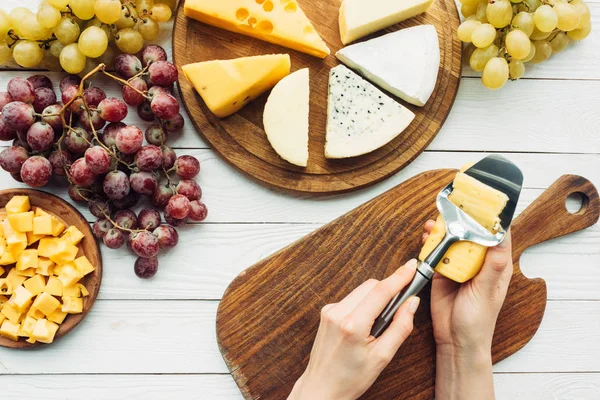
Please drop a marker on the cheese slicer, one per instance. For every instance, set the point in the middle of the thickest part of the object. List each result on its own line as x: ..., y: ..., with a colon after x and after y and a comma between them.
x: 494, y: 171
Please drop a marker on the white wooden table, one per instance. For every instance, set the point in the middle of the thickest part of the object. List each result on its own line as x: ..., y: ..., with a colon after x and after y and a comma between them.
x: 156, y: 339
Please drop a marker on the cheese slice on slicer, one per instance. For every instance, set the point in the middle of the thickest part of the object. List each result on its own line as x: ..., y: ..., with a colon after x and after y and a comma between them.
x: 286, y: 117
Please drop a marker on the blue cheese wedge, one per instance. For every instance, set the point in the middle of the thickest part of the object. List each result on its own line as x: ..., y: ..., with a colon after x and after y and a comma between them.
x: 405, y: 62
x: 360, y: 117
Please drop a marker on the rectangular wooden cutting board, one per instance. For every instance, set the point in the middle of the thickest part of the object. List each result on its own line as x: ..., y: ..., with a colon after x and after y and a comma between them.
x: 269, y: 315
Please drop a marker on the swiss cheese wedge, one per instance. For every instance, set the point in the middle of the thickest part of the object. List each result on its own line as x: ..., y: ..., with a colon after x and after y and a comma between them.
x: 228, y: 85
x: 276, y: 21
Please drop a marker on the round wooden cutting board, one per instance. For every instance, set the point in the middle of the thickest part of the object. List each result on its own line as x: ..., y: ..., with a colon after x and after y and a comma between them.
x: 240, y: 138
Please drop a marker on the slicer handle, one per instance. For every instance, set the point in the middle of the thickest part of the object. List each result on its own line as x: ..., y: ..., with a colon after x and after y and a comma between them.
x: 422, y: 277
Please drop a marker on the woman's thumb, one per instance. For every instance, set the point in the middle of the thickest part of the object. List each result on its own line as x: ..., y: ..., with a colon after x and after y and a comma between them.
x: 497, y: 269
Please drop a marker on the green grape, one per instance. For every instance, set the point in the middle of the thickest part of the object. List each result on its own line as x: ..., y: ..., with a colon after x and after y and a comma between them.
x: 5, y: 24
x: 60, y: 4
x: 516, y: 69
x: 148, y: 28
x: 543, y: 51
x: 480, y: 57
x: 465, y: 10
x: 524, y: 21
x: 48, y: 16
x: 470, y: 2
x: 539, y: 35
x: 532, y: 5
x: 72, y: 60
x: 568, y: 16
x: 108, y: 58
x: 465, y: 30
x: 17, y: 17
x: 90, y: 64
x: 530, y: 55
x: 128, y: 18
x: 129, y: 41
x: 108, y: 11
x: 93, y: 42
x: 545, y: 18
x: 495, y: 73
x: 28, y: 53
x: 162, y: 12
x: 143, y: 7
x: 517, y: 44
x: 83, y: 9
x: 67, y: 31
x: 499, y: 13
x: 5, y: 53
x: 481, y: 12
x: 559, y: 42
x: 97, y: 23
x: 580, y: 33
x: 171, y: 3
x: 56, y: 47
x: 584, y: 12
x: 483, y: 35
x: 50, y: 62
x: 31, y: 29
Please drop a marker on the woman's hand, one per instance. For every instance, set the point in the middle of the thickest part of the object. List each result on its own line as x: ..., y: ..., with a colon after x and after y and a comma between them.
x: 345, y: 360
x: 464, y: 318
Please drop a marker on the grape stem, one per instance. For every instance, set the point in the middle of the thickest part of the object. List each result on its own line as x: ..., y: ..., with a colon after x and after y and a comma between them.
x: 124, y: 82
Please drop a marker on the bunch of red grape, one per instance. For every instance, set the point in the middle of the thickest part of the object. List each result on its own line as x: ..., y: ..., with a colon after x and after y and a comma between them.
x: 106, y: 161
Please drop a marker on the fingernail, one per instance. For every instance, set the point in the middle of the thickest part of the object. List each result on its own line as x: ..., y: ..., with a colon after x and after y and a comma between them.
x: 414, y: 304
x: 411, y: 264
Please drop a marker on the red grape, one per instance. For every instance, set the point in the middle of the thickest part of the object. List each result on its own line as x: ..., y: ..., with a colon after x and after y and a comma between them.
x: 75, y: 194
x: 174, y: 124
x: 97, y: 159
x: 99, y: 207
x: 174, y: 221
x: 165, y: 106
x: 178, y: 207
x: 189, y: 189
x: 129, y: 139
x: 127, y: 65
x: 148, y: 219
x: 18, y: 116
x: 198, y: 211
x: 77, y: 140
x: 127, y: 202
x: 145, y: 268
x: 22, y: 135
x: 161, y: 196
x: 169, y: 157
x: 131, y: 96
x: 4, y: 99
x: 144, y: 111
x: 53, y: 120
x: 93, y: 96
x: 44, y: 97
x: 36, y: 171
x: 69, y: 94
x: 12, y: 159
x: 187, y: 167
x: 162, y: 73
x: 5, y: 132
x: 81, y: 173
x: 156, y: 135
x: 16, y: 176
x: 39, y: 81
x: 112, y: 109
x: 21, y: 90
x: 143, y: 182
x: 126, y: 219
x: 148, y: 158
x: 69, y: 80
x: 167, y: 236
x: 110, y: 133
x: 100, y: 227
x: 114, y: 238
x: 156, y: 90
x: 116, y: 185
x: 144, y: 244
x: 153, y: 53
x: 40, y: 136
x: 92, y: 116
x: 59, y: 159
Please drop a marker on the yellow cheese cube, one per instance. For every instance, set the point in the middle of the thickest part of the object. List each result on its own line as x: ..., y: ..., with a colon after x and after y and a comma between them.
x: 65, y: 252
x: 30, y: 340
x: 54, y: 286
x: 2, y: 318
x: 44, y: 266
x: 14, y: 278
x: 83, y: 289
x: 3, y: 300
x: 29, y: 272
x: 58, y: 316
x: 72, y: 305
x: 31, y: 238
x: 39, y: 212
x: 35, y: 284
x: 7, y: 258
x: 42, y: 225
x: 35, y: 313
x: 21, y: 299
x: 22, y: 222
x: 73, y: 235
x: 7, y: 229
x: 45, y: 303
x: 11, y: 314
x: 83, y: 265
x: 2, y: 271
x: 27, y: 326
x: 57, y: 226
x: 6, y: 286
x: 27, y: 259
x: 18, y: 204
x: 57, y: 269
x: 44, y: 331
x: 10, y: 330
x: 47, y: 246
x: 72, y: 291
x: 69, y: 276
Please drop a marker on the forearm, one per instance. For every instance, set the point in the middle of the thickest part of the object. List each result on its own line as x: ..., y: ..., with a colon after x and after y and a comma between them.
x: 463, y: 375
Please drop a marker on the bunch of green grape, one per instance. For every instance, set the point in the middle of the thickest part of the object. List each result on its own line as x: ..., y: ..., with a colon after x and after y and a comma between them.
x: 506, y: 34
x: 77, y: 35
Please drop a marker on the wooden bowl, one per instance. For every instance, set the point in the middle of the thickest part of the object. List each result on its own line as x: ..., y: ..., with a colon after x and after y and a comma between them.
x: 68, y: 215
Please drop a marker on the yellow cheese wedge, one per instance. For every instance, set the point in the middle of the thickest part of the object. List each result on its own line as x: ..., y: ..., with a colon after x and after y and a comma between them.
x: 226, y: 86
x: 464, y: 260
x: 276, y: 21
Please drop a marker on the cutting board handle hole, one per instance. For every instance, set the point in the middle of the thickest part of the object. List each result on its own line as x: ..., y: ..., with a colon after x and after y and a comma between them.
x: 577, y: 203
